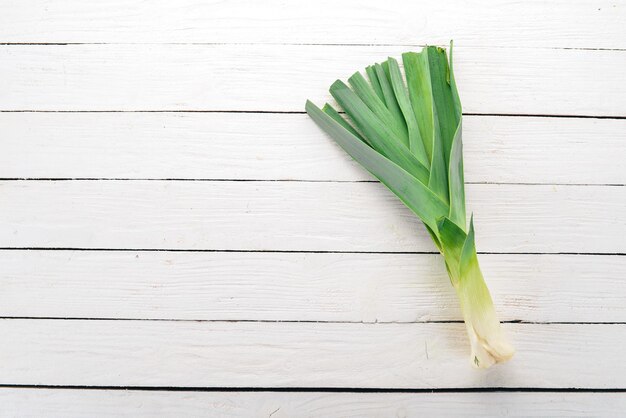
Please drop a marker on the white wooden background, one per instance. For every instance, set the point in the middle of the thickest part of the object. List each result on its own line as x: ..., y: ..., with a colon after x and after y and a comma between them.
x: 178, y: 239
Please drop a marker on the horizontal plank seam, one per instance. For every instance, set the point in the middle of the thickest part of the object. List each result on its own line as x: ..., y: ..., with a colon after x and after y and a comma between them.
x: 276, y: 251
x: 312, y: 389
x: 298, y: 112
x: 291, y: 321
x: 174, y: 179
x: 311, y: 44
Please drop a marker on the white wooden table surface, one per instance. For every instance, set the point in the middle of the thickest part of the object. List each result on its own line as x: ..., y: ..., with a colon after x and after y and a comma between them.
x: 179, y: 239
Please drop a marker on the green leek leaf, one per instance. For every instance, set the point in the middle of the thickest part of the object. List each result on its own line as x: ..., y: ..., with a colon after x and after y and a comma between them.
x: 415, y: 139
x: 442, y: 97
x: 409, y: 189
x: 378, y: 134
x: 330, y: 111
x: 368, y: 96
x: 456, y: 181
x: 392, y: 103
x: 371, y: 74
x: 418, y: 82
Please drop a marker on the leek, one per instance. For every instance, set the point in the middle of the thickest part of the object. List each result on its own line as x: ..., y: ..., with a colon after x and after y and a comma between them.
x: 409, y: 137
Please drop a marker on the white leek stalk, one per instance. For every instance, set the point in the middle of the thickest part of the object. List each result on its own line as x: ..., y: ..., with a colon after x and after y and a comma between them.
x: 409, y: 137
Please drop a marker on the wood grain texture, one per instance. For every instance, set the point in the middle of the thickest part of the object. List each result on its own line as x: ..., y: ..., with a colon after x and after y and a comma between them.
x: 63, y: 403
x: 282, y: 77
x: 302, y: 287
x: 578, y: 24
x: 300, y: 216
x: 312, y: 283
x: 290, y: 146
x: 218, y: 354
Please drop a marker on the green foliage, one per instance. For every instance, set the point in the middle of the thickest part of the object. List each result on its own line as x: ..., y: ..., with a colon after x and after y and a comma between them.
x: 409, y: 137
x: 415, y: 130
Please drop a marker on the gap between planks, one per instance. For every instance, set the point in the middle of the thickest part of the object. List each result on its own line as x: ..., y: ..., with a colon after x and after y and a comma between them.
x: 314, y: 389
x: 289, y: 321
x: 394, y: 45
x: 505, y: 183
x: 276, y: 251
x: 297, y: 112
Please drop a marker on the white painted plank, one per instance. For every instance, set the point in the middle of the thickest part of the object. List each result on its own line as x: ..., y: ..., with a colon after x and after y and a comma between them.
x: 281, y: 77
x: 306, y: 216
x: 63, y: 403
x: 561, y: 23
x: 236, y: 354
x: 302, y: 287
x: 290, y: 146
